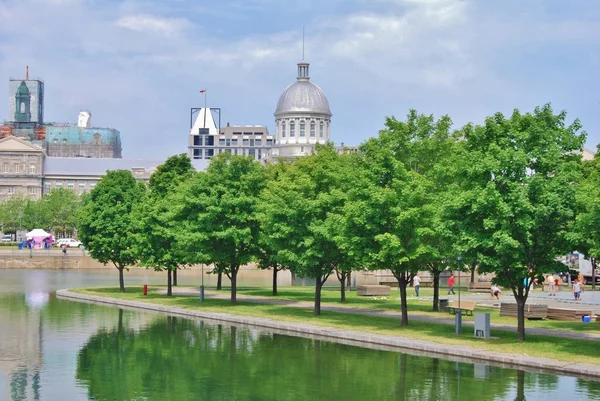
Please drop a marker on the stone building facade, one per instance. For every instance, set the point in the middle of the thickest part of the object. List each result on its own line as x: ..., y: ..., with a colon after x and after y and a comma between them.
x: 21, y: 168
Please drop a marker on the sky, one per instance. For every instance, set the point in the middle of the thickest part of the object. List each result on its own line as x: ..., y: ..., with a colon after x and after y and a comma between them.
x: 139, y: 66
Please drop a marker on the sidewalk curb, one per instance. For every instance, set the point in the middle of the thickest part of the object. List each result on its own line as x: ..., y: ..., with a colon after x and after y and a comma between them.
x: 400, y: 344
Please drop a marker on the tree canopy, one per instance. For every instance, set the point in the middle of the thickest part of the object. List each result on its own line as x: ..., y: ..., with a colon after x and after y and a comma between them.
x: 158, y: 245
x: 105, y: 220
x: 514, y: 203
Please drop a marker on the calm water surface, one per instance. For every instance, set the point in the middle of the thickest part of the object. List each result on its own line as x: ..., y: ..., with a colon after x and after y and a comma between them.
x: 52, y: 349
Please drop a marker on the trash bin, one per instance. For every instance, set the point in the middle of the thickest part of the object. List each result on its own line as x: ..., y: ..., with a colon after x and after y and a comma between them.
x: 443, y: 305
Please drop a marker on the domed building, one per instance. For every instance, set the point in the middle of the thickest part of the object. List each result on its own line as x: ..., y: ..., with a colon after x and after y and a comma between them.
x: 302, y: 117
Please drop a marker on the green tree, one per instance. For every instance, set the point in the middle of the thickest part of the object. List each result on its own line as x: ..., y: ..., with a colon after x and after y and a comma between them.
x: 157, y: 242
x: 392, y: 215
x: 60, y: 209
x: 515, y: 201
x: 585, y: 235
x: 267, y: 254
x: 295, y: 213
x: 105, y: 220
x: 217, y: 214
x: 34, y: 216
x: 11, y: 213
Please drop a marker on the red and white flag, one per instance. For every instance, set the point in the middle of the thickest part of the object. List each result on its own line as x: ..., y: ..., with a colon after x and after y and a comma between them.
x: 202, y: 90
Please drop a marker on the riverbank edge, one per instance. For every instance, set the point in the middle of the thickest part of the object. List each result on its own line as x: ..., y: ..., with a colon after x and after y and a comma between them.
x: 394, y: 342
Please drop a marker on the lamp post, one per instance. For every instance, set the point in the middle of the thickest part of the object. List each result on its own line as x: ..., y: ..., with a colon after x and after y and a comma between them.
x: 458, y: 315
x: 202, y: 285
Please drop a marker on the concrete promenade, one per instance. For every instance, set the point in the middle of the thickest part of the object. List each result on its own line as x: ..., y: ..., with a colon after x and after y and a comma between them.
x: 397, y: 343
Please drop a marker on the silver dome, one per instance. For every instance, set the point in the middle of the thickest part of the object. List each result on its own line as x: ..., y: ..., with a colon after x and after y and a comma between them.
x: 303, y: 96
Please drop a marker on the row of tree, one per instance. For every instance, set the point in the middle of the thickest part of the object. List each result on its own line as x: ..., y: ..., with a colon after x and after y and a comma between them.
x: 509, y: 196
x: 56, y: 212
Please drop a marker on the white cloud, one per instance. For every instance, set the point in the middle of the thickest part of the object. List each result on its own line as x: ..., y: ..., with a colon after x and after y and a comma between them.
x: 139, y: 66
x: 154, y: 25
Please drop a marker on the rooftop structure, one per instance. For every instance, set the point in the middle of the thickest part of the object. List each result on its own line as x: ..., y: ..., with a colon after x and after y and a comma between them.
x: 302, y: 117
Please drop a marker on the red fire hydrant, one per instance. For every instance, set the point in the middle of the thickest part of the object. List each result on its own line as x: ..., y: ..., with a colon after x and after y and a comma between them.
x: 145, y: 289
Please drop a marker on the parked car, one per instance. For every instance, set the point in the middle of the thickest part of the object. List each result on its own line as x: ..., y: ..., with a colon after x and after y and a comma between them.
x: 68, y: 242
x: 6, y: 238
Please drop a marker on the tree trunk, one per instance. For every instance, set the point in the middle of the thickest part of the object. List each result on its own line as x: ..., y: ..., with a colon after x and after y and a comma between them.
x: 593, y: 274
x: 317, y: 309
x: 436, y: 289
x: 169, y: 283
x: 402, y: 283
x: 293, y: 278
x: 348, y: 281
x: 473, y: 267
x: 343, y: 285
x: 275, y: 281
x: 234, y: 272
x: 219, y: 281
x: 121, y: 281
x: 175, y: 277
x: 520, y: 318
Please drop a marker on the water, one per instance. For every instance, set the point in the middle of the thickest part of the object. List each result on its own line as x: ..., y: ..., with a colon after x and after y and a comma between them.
x: 52, y: 349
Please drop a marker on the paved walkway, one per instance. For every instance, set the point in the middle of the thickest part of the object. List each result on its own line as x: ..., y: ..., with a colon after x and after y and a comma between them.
x: 482, y: 299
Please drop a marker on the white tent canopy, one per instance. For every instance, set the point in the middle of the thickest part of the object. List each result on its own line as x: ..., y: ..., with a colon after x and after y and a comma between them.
x: 38, y: 232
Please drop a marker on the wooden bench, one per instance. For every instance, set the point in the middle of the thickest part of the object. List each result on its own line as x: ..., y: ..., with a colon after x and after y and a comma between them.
x: 480, y: 286
x: 466, y: 307
x: 394, y: 283
x: 573, y: 315
x: 372, y: 290
x: 532, y: 311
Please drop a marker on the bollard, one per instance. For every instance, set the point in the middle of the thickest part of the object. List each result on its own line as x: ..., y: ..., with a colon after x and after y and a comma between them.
x: 145, y: 289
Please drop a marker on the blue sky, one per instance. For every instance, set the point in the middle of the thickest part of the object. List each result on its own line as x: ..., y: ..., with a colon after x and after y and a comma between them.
x: 138, y: 66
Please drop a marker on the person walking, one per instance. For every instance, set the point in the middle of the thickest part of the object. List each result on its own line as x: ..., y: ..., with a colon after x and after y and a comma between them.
x: 576, y: 290
x: 551, y: 285
x: 451, y: 280
x: 417, y: 284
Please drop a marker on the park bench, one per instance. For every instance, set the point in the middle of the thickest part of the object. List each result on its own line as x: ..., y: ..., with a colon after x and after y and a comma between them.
x: 573, y: 315
x: 479, y: 286
x: 394, y: 283
x: 466, y: 307
x: 532, y: 311
x: 372, y: 290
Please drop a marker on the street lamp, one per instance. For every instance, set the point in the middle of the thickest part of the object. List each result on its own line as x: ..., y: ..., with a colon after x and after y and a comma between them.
x: 458, y: 313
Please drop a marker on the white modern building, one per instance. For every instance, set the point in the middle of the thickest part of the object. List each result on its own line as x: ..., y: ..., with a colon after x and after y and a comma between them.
x: 206, y: 139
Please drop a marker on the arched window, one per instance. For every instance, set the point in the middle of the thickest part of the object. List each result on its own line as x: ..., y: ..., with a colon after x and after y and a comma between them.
x: 283, y: 129
x: 312, y: 129
x: 321, y: 130
x: 292, y: 129
x: 302, y: 128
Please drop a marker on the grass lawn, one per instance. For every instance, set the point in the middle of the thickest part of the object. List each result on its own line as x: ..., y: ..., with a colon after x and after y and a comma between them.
x: 540, y: 346
x: 331, y: 296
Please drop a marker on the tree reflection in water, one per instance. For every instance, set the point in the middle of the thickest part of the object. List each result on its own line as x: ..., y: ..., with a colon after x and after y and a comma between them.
x: 176, y: 358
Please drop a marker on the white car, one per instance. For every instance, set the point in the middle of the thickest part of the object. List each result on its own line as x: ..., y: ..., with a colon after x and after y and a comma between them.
x: 6, y: 238
x: 68, y: 242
